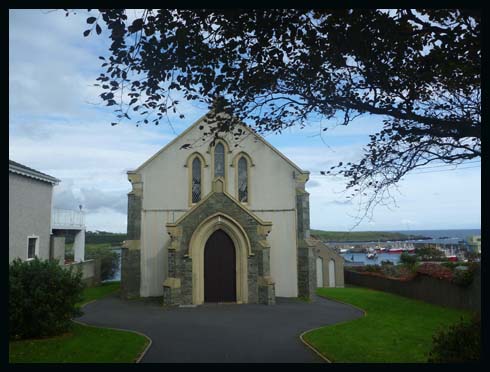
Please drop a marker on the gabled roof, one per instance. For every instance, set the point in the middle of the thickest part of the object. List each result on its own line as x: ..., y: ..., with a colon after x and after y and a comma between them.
x: 314, y: 241
x: 21, y: 169
x: 246, y: 127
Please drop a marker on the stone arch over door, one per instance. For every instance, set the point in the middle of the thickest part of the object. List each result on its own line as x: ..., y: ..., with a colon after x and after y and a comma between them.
x: 243, y: 250
x: 188, y: 235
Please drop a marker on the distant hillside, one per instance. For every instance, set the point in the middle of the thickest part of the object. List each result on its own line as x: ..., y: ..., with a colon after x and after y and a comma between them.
x: 101, y: 237
x: 362, y: 236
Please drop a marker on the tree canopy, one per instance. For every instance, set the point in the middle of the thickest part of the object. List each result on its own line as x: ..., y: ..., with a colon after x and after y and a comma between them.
x: 277, y: 68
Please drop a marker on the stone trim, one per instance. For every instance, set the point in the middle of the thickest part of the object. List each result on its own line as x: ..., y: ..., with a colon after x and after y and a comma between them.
x: 190, y: 234
x: 197, y: 244
x: 130, y: 273
x: 225, y: 164
x: 250, y: 164
x: 306, y: 254
x: 130, y: 253
x: 209, y: 195
x: 188, y: 165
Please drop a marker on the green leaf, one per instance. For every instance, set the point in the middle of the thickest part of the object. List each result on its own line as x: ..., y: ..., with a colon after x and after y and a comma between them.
x: 86, y: 33
x: 91, y: 20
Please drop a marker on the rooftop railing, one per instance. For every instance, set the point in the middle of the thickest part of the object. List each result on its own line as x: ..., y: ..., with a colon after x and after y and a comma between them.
x: 67, y: 219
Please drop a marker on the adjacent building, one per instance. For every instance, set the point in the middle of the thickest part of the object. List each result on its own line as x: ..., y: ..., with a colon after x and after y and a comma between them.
x: 35, y: 228
x: 329, y: 265
x: 30, y: 205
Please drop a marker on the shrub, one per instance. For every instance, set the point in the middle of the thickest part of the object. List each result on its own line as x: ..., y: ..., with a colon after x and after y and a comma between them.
x: 451, y: 265
x: 390, y: 270
x: 109, y: 260
x: 462, y: 277
x: 408, y: 259
x: 372, y: 268
x: 460, y: 343
x: 473, y: 256
x: 430, y: 254
x: 42, y: 298
x: 387, y: 263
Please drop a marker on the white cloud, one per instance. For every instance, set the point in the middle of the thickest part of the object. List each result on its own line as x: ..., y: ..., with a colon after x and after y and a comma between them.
x: 52, y: 128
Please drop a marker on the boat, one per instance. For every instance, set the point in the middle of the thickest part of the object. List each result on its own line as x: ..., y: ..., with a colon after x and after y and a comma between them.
x: 342, y: 250
x: 452, y: 258
x: 371, y: 255
x: 395, y: 250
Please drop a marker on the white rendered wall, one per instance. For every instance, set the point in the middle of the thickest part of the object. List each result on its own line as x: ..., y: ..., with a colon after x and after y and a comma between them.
x: 283, y: 259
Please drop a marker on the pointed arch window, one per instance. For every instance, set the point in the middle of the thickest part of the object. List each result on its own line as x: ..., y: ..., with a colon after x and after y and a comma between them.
x: 196, y: 180
x: 219, y: 160
x: 243, y: 180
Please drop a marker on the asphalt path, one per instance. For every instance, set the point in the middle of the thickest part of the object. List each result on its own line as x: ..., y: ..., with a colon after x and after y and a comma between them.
x: 221, y: 333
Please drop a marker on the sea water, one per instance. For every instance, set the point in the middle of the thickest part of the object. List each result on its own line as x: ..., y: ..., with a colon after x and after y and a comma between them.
x: 362, y: 258
x: 117, y: 273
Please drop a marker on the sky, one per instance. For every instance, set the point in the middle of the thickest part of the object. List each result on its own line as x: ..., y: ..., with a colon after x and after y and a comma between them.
x: 58, y: 126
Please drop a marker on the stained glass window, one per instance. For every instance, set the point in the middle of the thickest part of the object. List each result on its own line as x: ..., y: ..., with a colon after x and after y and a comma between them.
x: 242, y: 180
x: 196, y: 180
x: 219, y: 160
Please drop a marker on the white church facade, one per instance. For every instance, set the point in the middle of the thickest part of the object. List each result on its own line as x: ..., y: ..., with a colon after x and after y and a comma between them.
x: 222, y: 222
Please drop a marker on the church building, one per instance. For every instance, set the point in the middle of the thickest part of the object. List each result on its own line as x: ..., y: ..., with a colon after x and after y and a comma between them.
x: 218, y: 222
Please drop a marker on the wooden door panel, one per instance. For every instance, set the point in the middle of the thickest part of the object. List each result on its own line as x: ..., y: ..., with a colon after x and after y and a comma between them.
x: 219, y: 268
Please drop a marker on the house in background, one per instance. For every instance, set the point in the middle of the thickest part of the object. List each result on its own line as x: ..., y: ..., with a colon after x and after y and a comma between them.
x: 35, y: 228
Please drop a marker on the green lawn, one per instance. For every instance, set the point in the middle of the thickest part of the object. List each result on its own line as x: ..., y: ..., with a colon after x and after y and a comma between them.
x: 83, y: 344
x: 395, y: 329
x: 90, y: 294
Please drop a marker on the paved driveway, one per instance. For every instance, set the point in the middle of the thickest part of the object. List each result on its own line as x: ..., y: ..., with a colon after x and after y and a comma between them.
x: 226, y: 333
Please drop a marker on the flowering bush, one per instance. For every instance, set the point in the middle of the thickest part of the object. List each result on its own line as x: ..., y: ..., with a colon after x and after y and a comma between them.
x: 435, y: 271
x: 405, y: 272
x: 397, y: 272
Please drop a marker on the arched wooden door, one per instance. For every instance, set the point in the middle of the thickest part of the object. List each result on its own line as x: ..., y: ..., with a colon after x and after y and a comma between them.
x: 219, y: 268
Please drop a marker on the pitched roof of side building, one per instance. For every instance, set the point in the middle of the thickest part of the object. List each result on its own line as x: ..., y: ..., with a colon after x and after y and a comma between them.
x: 23, y: 170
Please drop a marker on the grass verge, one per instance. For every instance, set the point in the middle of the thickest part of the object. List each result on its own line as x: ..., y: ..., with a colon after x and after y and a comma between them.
x: 83, y: 344
x: 394, y: 329
x: 100, y: 291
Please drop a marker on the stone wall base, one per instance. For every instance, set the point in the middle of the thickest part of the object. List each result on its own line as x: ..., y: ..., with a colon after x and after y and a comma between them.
x: 172, y: 294
x: 267, y: 294
x: 306, y: 273
x: 130, y: 273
